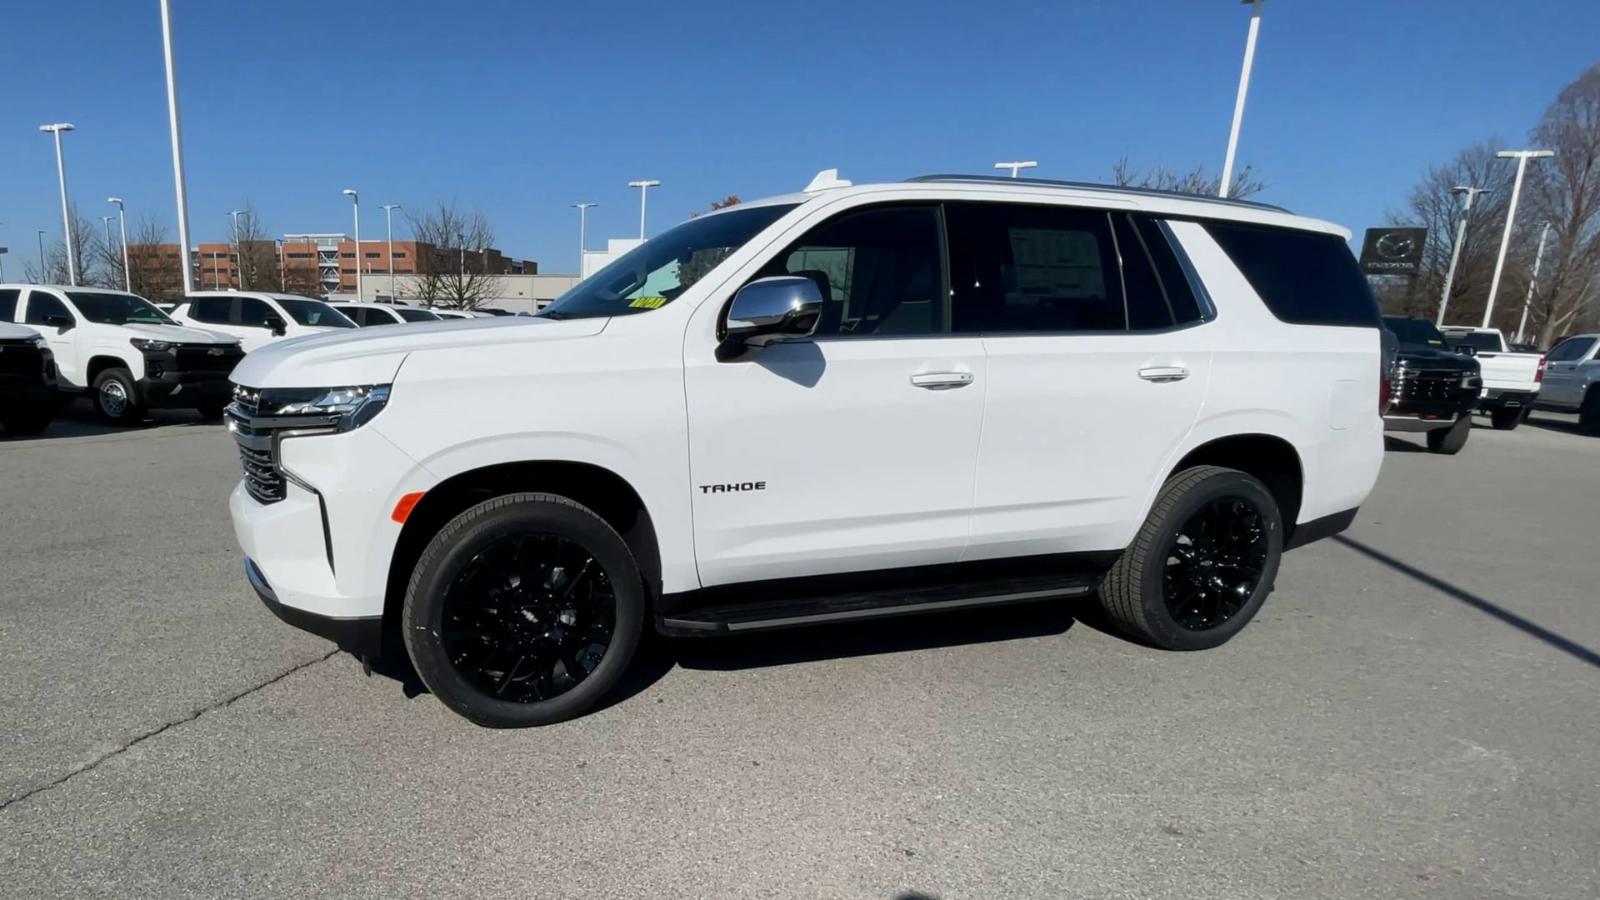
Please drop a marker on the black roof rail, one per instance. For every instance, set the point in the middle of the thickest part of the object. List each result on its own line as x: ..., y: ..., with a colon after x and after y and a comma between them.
x: 1092, y: 186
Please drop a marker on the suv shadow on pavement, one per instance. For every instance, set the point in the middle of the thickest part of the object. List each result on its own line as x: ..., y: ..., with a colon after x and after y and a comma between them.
x: 77, y: 419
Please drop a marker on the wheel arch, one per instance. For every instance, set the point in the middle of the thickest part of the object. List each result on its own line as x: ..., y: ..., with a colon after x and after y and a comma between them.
x: 1268, y: 457
x: 100, y: 362
x: 600, y: 489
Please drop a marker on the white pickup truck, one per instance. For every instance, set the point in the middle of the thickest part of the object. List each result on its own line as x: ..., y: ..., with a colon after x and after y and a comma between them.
x: 1511, y: 380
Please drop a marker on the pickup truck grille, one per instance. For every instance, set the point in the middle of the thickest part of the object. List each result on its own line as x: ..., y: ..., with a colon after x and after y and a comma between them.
x: 207, y: 359
x: 24, y: 362
x: 1434, y: 386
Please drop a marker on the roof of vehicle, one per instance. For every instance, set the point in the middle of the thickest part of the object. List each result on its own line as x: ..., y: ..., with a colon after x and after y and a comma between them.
x: 1468, y: 329
x: 69, y: 287
x: 1169, y: 203
x: 270, y: 295
x: 371, y: 305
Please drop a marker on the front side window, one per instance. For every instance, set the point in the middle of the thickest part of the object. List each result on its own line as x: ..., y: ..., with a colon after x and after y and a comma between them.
x: 252, y: 312
x: 314, y: 313
x: 42, y: 306
x: 415, y: 315
x: 209, y: 309
x: 1017, y: 268
x: 117, y: 309
x: 1570, y: 349
x: 658, y: 271
x: 879, y: 270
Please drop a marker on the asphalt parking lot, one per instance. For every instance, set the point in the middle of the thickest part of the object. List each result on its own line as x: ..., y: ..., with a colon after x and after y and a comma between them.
x: 1412, y: 715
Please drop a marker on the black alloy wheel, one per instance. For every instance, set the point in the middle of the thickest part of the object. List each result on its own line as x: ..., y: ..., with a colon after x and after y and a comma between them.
x: 1215, y: 562
x: 529, y: 618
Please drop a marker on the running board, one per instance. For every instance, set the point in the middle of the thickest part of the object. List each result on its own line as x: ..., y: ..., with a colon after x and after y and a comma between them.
x: 766, y: 615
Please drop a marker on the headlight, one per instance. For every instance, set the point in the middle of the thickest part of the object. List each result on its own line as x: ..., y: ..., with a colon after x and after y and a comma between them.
x: 351, y: 406
x: 150, y: 344
x: 37, y: 340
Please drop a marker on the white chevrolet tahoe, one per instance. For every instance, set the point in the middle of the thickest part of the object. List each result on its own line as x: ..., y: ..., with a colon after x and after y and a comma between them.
x: 124, y: 353
x: 259, y: 319
x: 852, y: 402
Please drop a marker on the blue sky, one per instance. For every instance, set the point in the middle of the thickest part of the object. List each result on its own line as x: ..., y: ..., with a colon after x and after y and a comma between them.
x: 521, y: 109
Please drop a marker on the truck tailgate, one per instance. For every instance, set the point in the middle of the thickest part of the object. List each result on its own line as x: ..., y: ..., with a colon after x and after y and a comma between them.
x: 1510, y: 371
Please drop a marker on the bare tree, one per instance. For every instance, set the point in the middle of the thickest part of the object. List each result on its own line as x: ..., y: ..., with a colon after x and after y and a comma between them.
x: 1433, y: 205
x: 156, y: 267
x: 444, y: 236
x: 255, y: 252
x: 1194, y: 181
x: 1565, y: 191
x: 87, y: 253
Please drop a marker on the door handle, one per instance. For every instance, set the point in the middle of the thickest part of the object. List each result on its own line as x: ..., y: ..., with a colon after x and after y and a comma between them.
x: 942, y: 381
x: 1163, y: 374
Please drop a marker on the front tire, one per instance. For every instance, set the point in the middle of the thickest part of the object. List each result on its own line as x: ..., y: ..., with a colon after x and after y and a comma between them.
x: 116, y: 398
x: 1589, y: 413
x: 1449, y: 441
x: 1203, y: 563
x: 524, y: 610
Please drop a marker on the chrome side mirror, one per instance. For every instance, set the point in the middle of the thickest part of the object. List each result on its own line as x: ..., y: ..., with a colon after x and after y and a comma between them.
x: 770, y: 309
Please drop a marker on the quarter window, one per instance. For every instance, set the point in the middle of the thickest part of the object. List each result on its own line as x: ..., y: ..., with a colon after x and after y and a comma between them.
x: 880, y: 271
x: 1304, y: 277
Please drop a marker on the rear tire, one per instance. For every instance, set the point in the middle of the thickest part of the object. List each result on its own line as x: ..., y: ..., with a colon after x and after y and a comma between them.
x: 1507, y: 418
x: 116, y: 398
x: 1202, y: 564
x: 529, y: 585
x: 1449, y: 441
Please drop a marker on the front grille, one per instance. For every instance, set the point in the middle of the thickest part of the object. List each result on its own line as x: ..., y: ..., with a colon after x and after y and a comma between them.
x: 22, y: 360
x: 257, y: 449
x: 1430, y: 386
x: 201, y: 359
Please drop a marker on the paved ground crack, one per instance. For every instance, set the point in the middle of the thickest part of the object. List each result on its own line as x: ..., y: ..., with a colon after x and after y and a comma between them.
x: 130, y: 744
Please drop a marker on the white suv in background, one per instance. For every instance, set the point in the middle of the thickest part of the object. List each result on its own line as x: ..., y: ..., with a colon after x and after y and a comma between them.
x: 852, y: 402
x: 258, y: 319
x: 366, y: 315
x: 125, y: 354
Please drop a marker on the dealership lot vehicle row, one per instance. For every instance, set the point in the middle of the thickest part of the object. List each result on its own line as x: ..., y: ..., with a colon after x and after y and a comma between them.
x: 1372, y: 734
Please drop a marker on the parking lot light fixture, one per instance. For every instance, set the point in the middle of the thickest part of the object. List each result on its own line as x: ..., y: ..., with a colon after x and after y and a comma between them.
x: 42, y: 273
x: 583, y: 231
x: 238, y: 249
x: 122, y: 225
x: 388, y: 221
x: 56, y: 130
x: 1522, y: 157
x: 176, y: 133
x: 355, y: 206
x: 1016, y: 167
x: 1468, y: 193
x: 1238, y: 100
x: 644, y: 191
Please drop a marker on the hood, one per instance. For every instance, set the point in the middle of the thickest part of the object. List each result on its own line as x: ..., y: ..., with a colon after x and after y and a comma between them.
x: 10, y: 332
x: 179, y: 334
x: 372, y: 355
x: 1434, y: 358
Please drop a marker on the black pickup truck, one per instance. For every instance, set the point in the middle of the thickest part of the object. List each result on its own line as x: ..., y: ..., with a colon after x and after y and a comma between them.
x: 27, y: 381
x: 1432, y: 387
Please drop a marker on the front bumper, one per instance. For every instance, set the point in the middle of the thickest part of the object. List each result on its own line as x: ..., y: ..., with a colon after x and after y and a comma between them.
x: 361, y: 635
x: 188, y: 377
x: 1415, y: 422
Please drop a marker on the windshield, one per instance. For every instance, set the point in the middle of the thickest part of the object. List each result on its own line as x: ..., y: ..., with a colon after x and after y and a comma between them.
x: 314, y: 313
x: 1478, y: 340
x: 653, y: 274
x: 415, y: 315
x: 117, y: 309
x: 1415, y: 332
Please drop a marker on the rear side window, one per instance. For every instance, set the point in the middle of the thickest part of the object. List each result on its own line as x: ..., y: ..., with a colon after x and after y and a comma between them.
x: 1148, y: 306
x: 1570, y: 349
x: 209, y: 309
x: 1016, y: 268
x: 41, y: 305
x: 253, y: 312
x: 8, y: 304
x: 1305, y: 278
x: 1174, y: 279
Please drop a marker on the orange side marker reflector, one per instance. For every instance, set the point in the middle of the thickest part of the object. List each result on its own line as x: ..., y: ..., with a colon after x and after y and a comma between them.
x: 402, y: 510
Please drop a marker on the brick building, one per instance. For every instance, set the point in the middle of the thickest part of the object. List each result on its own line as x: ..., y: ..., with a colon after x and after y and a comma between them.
x: 321, y: 264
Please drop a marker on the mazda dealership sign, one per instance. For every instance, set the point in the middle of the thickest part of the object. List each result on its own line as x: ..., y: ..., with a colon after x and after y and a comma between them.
x: 1393, y: 251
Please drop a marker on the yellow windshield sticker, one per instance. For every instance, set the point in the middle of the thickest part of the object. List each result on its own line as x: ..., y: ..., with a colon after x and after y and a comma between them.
x: 648, y: 303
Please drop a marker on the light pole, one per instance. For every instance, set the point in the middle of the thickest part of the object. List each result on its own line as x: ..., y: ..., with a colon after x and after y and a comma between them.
x: 108, y: 220
x: 388, y: 221
x: 355, y: 206
x: 43, y: 274
x: 644, y: 191
x: 66, y: 215
x: 583, y: 227
x: 1522, y: 157
x: 1238, y: 101
x: 122, y: 225
x: 238, y: 248
x: 1017, y: 166
x: 177, y: 147
x: 1468, y: 193
x: 1527, y: 302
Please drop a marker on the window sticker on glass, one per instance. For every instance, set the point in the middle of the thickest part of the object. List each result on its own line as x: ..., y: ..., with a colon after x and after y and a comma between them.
x: 647, y: 303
